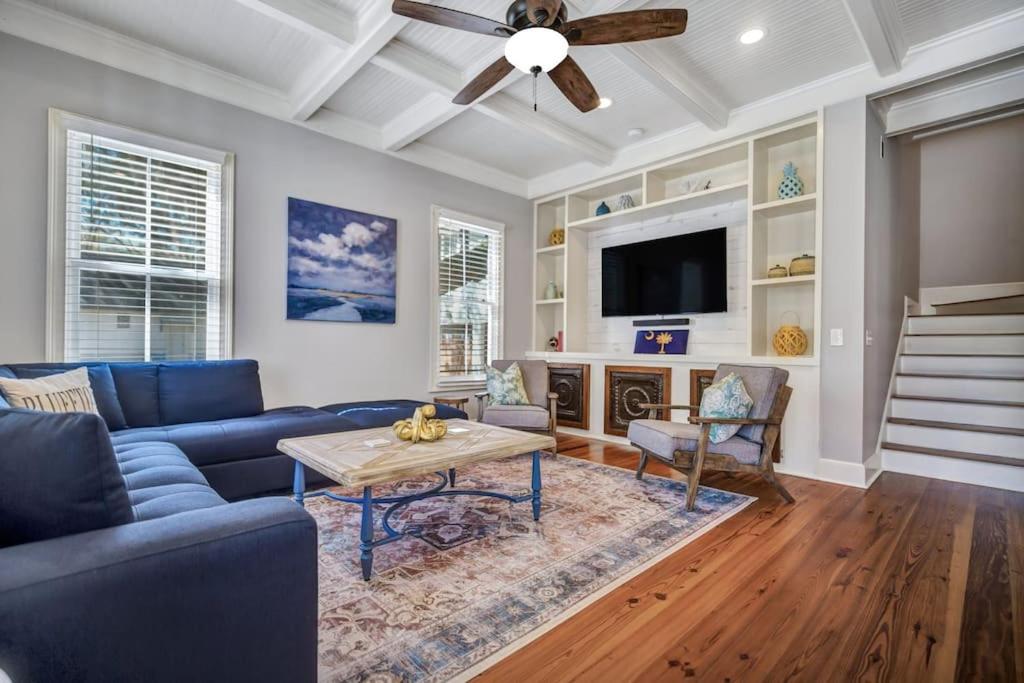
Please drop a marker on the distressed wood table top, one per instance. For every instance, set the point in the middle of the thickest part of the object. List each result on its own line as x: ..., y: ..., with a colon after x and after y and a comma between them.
x: 349, y: 459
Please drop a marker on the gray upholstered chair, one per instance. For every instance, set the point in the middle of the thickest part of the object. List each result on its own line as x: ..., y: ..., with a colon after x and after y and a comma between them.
x: 686, y: 447
x: 540, y: 416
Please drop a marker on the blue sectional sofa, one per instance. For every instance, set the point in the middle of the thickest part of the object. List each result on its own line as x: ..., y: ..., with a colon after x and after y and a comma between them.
x: 120, y: 555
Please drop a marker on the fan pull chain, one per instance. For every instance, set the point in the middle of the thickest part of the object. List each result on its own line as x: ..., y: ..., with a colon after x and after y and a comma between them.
x: 536, y: 72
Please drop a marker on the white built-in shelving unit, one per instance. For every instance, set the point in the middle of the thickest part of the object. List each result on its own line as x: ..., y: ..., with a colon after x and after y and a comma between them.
x: 748, y: 169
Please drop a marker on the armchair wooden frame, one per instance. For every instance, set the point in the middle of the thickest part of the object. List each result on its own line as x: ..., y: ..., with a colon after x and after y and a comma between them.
x: 550, y: 430
x: 692, y: 463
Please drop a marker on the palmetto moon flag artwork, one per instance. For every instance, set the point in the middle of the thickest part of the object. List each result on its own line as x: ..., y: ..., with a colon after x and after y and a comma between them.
x: 661, y: 341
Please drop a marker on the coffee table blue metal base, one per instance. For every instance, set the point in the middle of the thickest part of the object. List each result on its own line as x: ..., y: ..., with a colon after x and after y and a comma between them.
x: 367, y: 542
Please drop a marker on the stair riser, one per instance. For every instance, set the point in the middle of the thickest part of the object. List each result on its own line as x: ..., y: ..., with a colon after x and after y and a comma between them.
x: 971, y: 345
x: 967, y: 324
x: 941, y: 387
x: 954, y: 440
x: 1008, y: 366
x: 963, y: 413
x: 952, y: 469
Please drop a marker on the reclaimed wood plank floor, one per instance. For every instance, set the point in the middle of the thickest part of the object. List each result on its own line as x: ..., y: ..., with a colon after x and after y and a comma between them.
x: 913, y: 580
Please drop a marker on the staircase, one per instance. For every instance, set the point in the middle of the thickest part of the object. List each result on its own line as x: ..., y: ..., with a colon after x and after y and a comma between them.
x: 957, y: 405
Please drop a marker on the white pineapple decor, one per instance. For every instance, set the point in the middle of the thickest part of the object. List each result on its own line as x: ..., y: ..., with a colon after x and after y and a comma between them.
x: 791, y: 185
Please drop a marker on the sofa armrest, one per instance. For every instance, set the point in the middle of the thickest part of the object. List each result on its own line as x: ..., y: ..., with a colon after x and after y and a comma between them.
x: 224, y: 593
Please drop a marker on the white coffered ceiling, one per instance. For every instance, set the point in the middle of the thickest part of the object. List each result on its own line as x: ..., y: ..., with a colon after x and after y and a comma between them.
x: 353, y: 70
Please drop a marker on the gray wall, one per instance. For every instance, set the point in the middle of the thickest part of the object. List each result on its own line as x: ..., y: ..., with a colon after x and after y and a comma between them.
x: 891, y: 248
x: 303, y: 362
x: 972, y: 206
x: 842, y: 367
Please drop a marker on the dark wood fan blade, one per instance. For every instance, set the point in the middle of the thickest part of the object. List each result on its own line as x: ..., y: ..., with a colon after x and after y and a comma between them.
x: 487, y: 79
x: 625, y: 27
x: 543, y: 12
x: 575, y: 85
x: 451, y: 18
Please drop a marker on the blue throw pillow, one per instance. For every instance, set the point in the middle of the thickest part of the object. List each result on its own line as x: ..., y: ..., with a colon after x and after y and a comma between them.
x: 58, y: 476
x: 103, y: 389
x: 725, y: 398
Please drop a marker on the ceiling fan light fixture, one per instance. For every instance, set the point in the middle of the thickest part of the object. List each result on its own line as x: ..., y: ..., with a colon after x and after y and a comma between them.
x: 536, y: 47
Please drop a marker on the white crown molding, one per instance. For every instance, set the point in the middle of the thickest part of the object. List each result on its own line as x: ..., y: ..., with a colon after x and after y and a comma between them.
x: 878, y: 25
x: 377, y: 27
x: 977, y: 43
x: 313, y: 18
x: 974, y: 97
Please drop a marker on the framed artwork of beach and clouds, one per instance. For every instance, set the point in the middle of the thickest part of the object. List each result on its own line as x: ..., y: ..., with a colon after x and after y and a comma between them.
x: 341, y: 264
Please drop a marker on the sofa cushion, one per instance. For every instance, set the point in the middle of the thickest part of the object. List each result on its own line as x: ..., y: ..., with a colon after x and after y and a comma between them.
x: 161, y: 481
x: 218, y: 441
x: 103, y: 389
x: 204, y: 391
x: 516, y: 417
x: 370, y: 414
x: 662, y: 439
x: 58, y: 476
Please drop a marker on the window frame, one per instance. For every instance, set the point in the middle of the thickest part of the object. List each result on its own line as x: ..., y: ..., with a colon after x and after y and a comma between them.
x: 437, y: 384
x: 60, y: 122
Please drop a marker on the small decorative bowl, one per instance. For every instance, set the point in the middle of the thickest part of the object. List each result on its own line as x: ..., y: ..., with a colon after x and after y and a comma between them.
x: 778, y: 271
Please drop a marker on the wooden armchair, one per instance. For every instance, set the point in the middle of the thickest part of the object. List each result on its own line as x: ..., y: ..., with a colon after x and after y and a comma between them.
x: 542, y: 413
x: 687, y: 447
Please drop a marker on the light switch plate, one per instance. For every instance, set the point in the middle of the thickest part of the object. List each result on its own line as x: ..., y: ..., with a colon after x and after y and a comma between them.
x: 835, y: 336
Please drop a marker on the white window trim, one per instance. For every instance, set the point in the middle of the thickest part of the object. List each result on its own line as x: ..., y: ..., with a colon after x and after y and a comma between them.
x: 436, y: 384
x: 59, y: 123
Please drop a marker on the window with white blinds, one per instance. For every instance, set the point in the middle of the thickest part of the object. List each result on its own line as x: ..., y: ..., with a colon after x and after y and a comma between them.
x: 468, y: 266
x: 145, y: 270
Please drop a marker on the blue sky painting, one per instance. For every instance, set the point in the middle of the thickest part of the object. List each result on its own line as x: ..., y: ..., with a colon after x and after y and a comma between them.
x: 341, y: 264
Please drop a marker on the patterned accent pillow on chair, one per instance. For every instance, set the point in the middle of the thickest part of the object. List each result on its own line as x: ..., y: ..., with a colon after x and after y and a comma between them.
x: 725, y: 398
x: 507, y: 388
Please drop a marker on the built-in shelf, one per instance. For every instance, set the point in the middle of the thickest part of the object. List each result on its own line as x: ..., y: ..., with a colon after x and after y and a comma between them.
x: 790, y: 280
x: 744, y: 176
x: 781, y: 207
x: 689, y: 202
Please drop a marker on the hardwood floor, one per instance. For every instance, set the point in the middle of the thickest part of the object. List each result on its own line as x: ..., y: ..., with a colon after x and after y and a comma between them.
x: 913, y: 580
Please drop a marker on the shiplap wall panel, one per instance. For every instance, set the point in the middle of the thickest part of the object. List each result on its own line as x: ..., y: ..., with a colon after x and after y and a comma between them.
x: 710, y: 333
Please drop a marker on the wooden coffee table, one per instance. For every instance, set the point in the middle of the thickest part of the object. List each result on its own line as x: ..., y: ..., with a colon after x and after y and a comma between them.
x: 367, y: 457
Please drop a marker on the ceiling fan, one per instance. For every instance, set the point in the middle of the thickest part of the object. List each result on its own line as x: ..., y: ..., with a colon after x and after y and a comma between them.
x: 539, y: 35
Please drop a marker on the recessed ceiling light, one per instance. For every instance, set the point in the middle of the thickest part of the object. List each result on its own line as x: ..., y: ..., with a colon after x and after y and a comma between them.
x: 751, y: 36
x: 635, y: 132
x: 605, y: 103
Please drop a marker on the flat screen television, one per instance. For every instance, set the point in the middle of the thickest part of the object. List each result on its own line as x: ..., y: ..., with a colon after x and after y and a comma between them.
x: 668, y: 276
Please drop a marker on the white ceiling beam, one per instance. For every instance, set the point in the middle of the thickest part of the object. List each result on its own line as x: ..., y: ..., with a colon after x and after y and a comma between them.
x: 878, y: 25
x: 655, y: 66
x: 311, y: 17
x: 436, y: 108
x: 378, y: 25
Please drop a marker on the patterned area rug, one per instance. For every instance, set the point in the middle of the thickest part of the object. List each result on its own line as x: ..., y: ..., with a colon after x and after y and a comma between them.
x: 482, y: 579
